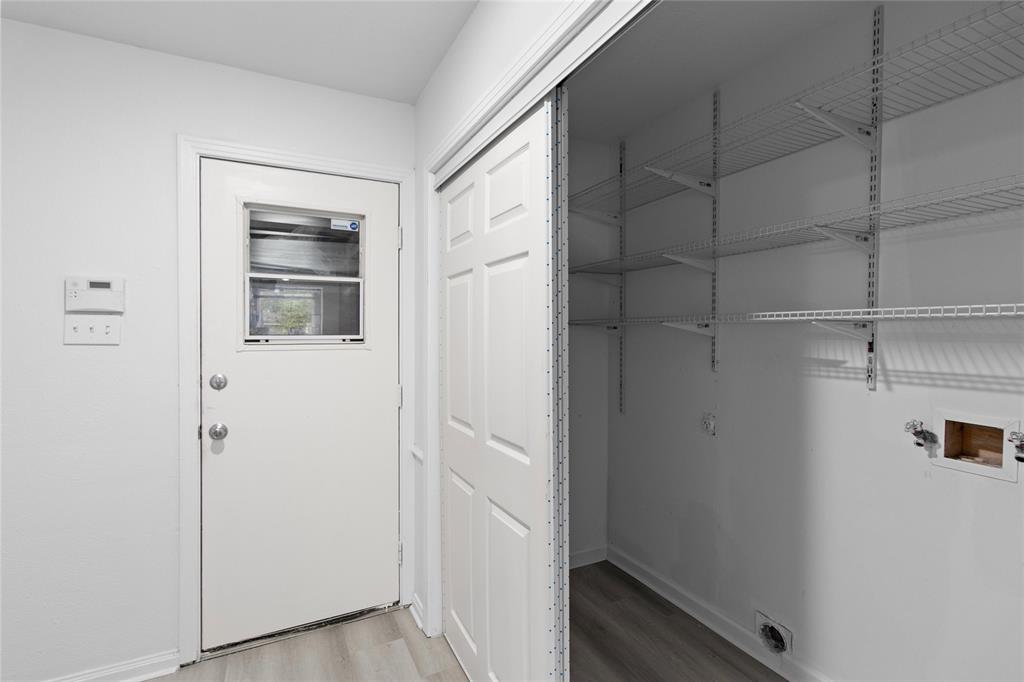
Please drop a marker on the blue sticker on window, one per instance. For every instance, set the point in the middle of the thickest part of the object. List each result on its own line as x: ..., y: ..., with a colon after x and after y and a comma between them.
x: 346, y: 224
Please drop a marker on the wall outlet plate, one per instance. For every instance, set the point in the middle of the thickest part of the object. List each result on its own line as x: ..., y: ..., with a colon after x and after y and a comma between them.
x: 82, y: 329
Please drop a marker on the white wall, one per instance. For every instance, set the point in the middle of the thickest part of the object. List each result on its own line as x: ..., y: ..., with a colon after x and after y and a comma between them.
x: 90, y: 484
x: 589, y: 386
x: 812, y: 504
x: 493, y: 39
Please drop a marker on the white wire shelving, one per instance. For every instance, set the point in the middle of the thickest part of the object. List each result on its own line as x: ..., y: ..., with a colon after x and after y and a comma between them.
x: 974, y: 53
x: 999, y: 194
x: 848, y: 315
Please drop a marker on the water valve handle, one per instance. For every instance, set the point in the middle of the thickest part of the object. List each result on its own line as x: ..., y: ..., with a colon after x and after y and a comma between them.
x: 922, y: 436
x: 1017, y: 438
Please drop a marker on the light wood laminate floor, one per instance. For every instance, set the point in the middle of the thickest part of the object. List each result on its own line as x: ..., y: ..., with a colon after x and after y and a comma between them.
x: 622, y: 630
x: 388, y: 646
x: 619, y: 629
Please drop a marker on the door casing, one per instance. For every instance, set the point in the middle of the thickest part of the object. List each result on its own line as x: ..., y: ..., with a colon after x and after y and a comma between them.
x: 190, y: 151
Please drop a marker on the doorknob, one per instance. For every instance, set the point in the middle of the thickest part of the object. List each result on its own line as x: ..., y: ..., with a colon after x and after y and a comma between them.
x: 218, y: 431
x: 218, y: 382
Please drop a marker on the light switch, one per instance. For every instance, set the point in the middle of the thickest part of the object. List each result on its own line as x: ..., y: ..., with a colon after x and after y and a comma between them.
x: 92, y: 330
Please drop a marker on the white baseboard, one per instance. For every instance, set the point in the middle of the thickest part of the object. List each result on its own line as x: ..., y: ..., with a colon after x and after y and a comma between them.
x: 725, y: 627
x: 587, y: 556
x: 416, y: 609
x: 135, y: 670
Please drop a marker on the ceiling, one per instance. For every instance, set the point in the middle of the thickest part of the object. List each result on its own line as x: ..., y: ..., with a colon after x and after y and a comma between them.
x: 380, y: 49
x: 680, y: 51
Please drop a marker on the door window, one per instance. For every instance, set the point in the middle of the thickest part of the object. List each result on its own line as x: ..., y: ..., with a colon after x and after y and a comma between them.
x: 304, y: 280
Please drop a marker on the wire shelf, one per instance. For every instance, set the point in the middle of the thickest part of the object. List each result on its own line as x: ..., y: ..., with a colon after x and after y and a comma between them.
x: 999, y: 194
x: 919, y: 313
x: 974, y: 53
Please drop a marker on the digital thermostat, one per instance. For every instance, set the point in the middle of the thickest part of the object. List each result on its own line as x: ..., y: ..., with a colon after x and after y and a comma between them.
x: 94, y: 294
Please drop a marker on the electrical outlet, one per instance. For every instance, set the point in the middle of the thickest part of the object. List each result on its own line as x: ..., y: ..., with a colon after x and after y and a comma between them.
x: 92, y: 330
x: 707, y: 423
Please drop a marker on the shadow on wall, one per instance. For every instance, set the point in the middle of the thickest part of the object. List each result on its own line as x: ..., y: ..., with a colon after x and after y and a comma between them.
x: 971, y: 355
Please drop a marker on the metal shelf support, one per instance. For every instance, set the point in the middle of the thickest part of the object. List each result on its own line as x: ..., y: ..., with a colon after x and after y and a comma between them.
x: 703, y: 329
x: 703, y: 185
x: 860, y: 240
x: 875, y: 185
x: 609, y: 219
x: 856, y: 331
x: 716, y: 170
x: 861, y: 133
x: 698, y: 263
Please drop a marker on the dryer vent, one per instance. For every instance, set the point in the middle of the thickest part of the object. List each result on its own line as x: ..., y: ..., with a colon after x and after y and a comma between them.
x: 775, y: 637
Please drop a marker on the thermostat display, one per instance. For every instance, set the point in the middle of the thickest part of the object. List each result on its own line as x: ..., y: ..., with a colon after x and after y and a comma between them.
x: 94, y: 295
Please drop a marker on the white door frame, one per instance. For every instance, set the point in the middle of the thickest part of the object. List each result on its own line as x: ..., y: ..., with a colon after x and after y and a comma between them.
x: 576, y: 34
x: 190, y: 151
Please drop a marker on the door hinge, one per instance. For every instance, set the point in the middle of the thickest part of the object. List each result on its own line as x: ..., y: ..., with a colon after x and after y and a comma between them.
x: 400, y: 237
x: 199, y: 432
x: 399, y: 553
x: 399, y: 396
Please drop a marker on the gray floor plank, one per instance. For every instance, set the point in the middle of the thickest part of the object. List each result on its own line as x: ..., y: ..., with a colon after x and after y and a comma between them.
x: 388, y: 661
x: 432, y: 655
x: 387, y: 647
x: 622, y: 630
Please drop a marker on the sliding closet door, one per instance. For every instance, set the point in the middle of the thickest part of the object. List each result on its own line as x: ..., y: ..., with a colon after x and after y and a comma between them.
x: 500, y: 535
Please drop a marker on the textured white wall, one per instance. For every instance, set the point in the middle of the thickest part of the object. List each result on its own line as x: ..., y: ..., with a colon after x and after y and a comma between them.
x: 812, y: 504
x: 90, y: 484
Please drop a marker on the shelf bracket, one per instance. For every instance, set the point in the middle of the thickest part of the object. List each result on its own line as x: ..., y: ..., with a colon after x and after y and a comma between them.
x: 608, y: 279
x: 875, y: 185
x: 859, y: 240
x: 862, y: 133
x: 704, y: 185
x: 603, y: 217
x: 704, y: 329
x: 716, y: 174
x: 856, y: 331
x: 699, y: 263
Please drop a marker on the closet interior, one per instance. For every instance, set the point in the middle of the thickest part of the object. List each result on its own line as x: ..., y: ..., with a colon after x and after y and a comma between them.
x: 796, y: 347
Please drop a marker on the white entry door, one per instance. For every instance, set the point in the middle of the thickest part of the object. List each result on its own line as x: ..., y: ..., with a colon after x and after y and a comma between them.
x: 499, y: 596
x: 299, y: 398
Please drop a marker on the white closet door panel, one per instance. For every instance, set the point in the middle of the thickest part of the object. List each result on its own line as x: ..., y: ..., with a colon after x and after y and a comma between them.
x: 496, y: 397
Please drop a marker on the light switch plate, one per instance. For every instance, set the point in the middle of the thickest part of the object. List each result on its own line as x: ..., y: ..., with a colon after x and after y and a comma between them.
x: 92, y: 330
